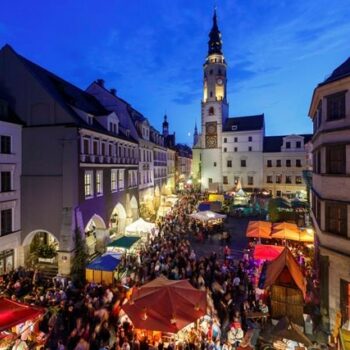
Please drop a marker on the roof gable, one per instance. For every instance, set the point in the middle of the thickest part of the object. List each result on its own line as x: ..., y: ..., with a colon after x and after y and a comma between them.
x: 248, y: 123
x: 340, y: 72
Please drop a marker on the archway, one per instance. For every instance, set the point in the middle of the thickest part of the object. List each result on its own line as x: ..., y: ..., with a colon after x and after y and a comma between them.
x: 93, y: 230
x: 118, y: 219
x: 40, y: 250
x: 134, y: 208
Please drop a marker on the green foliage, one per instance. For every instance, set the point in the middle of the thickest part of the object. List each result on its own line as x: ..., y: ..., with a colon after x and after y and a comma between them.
x: 79, y: 260
x: 46, y: 251
x: 273, y: 211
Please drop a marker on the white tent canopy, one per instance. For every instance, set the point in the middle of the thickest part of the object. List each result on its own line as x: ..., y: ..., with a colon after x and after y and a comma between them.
x: 138, y: 227
x: 207, y: 215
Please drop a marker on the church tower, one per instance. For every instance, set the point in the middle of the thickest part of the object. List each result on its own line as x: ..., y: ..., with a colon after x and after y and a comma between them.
x: 214, y: 110
x: 165, y: 126
x: 195, y: 135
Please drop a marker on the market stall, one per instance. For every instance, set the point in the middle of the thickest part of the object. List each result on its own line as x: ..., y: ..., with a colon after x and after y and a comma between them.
x: 102, y: 269
x: 259, y: 229
x: 166, y: 306
x: 17, y: 319
x: 210, y: 205
x: 139, y: 227
x: 285, y: 230
x: 267, y: 252
x: 125, y: 244
x: 208, y: 216
x: 287, y: 287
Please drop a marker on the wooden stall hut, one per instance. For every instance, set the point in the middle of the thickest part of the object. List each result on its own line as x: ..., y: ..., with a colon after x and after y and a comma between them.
x: 102, y: 269
x: 287, y: 287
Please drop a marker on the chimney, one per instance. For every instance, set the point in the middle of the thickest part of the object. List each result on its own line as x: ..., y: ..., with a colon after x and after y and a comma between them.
x: 100, y: 82
x: 113, y: 91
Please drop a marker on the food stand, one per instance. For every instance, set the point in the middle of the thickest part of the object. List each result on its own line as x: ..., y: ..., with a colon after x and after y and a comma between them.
x: 17, y: 319
x: 267, y: 252
x: 287, y: 287
x: 102, y: 269
x: 259, y: 229
x: 208, y: 217
x: 123, y: 245
x: 139, y: 228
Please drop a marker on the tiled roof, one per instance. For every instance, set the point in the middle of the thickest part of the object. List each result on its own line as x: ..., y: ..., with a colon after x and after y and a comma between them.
x: 254, y: 122
x: 340, y: 72
x: 274, y: 143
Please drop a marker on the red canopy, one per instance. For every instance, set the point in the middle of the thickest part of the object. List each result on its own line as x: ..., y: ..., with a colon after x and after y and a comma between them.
x: 13, y: 313
x: 267, y: 252
x: 165, y: 305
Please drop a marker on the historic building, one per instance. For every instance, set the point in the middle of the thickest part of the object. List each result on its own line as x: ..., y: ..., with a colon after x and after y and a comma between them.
x: 285, y: 160
x: 229, y: 152
x: 79, y: 161
x: 10, y: 189
x: 183, y: 166
x: 330, y: 113
x: 169, y: 140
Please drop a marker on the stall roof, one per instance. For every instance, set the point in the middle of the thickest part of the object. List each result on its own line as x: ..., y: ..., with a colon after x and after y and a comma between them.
x: 267, y: 252
x: 125, y: 242
x: 13, y: 313
x: 275, y: 268
x: 104, y: 263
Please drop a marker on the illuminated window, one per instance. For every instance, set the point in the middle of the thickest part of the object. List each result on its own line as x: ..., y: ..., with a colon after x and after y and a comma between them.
x: 88, y: 184
x: 99, y: 182
x: 114, y: 177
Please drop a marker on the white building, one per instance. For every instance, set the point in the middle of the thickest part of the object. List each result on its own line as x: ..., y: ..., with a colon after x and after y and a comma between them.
x: 10, y: 189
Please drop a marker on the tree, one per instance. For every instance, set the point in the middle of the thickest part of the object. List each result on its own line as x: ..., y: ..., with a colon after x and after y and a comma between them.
x: 79, y: 260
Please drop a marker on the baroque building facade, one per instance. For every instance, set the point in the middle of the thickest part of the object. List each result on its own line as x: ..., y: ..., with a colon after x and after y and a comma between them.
x: 230, y: 151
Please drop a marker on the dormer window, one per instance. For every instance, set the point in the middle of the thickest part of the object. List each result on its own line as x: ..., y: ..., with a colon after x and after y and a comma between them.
x: 90, y: 119
x: 127, y: 132
x: 234, y: 127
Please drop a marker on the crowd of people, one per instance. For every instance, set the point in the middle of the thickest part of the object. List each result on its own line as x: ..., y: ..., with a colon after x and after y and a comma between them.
x: 89, y: 318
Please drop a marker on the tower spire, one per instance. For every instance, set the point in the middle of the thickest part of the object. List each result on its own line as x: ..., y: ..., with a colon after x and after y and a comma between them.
x: 215, y: 42
x: 195, y: 134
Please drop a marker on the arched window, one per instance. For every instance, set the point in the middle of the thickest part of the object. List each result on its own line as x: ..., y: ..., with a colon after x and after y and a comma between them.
x: 211, y: 111
x: 219, y: 72
x: 211, y: 93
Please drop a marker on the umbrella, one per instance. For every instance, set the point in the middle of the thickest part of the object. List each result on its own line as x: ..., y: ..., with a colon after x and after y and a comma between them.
x: 285, y: 230
x: 165, y: 305
x: 267, y: 252
x: 259, y: 229
x: 285, y: 329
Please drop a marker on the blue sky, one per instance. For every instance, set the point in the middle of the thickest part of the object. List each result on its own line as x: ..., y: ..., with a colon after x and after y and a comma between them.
x: 152, y: 52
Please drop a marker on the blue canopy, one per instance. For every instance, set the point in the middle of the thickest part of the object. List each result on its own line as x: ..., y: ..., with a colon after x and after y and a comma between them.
x: 104, y: 263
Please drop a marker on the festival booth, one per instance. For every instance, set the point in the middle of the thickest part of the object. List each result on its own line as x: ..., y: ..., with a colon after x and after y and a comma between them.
x: 210, y: 205
x: 267, y: 252
x: 259, y: 229
x: 125, y: 244
x: 162, y: 307
x: 208, y: 217
x: 288, y: 231
x: 102, y: 269
x: 139, y: 228
x: 287, y: 287
x: 213, y: 197
x: 18, y: 319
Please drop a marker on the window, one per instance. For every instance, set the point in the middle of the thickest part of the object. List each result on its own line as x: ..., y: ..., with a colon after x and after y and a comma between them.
x: 278, y: 163
x: 269, y: 163
x: 114, y: 177
x: 95, y: 152
x: 211, y: 93
x: 250, y: 139
x: 88, y: 184
x: 317, y: 162
x: 5, y: 144
x: 235, y: 149
x: 211, y: 72
x: 278, y: 193
x: 278, y: 179
x: 249, y: 148
x: 288, y: 163
x: 269, y: 179
x: 225, y: 139
x: 6, y: 221
x: 86, y: 146
x: 243, y: 163
x: 298, y: 180
x: 225, y: 149
x: 225, y: 180
x: 298, y: 144
x: 5, y: 181
x: 211, y: 111
x: 236, y: 139
x: 336, y: 218
x: 287, y: 145
x: 99, y: 182
x: 229, y: 163
x: 336, y: 106
x: 288, y: 179
x: 336, y: 159
x: 121, y: 179
x: 214, y: 163
x: 250, y: 180
x: 103, y: 149
x: 345, y: 300
x: 210, y: 180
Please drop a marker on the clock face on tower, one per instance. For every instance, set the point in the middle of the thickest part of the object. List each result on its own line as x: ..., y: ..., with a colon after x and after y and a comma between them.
x: 219, y: 81
x: 211, y: 141
x: 211, y: 135
x: 211, y: 128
